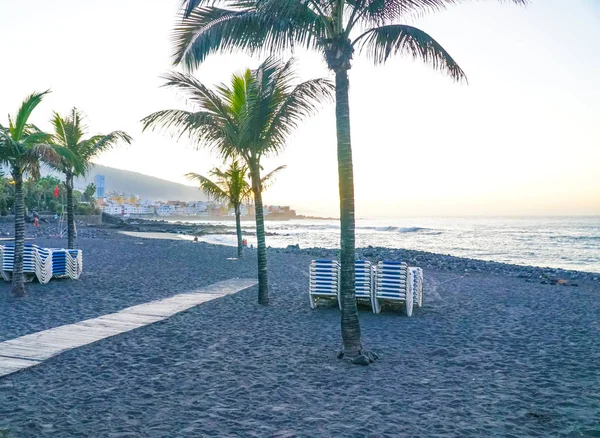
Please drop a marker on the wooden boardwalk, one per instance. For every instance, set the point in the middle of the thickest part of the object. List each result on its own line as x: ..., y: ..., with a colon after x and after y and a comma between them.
x: 30, y: 350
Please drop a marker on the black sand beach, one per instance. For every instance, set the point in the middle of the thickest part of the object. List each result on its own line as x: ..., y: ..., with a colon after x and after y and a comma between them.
x: 496, y: 350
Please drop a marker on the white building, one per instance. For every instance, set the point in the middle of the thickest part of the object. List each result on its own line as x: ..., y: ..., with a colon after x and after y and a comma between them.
x: 113, y: 209
x: 165, y: 210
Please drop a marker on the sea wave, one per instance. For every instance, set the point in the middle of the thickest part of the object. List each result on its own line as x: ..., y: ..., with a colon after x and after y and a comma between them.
x: 400, y: 229
x: 579, y: 238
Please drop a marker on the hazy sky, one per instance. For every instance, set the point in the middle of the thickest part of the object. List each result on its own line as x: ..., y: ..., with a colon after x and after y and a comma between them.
x: 522, y: 138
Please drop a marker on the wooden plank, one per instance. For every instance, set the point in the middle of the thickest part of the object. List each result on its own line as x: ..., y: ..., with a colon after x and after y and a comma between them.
x: 29, y: 350
x: 9, y: 365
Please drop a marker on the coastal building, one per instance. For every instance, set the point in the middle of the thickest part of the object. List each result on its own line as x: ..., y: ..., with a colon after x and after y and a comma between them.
x: 100, y: 183
x: 165, y: 210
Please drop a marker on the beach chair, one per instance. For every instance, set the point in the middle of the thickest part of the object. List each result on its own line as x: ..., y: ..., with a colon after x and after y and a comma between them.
x: 417, y: 285
x: 324, y: 281
x: 364, y: 281
x: 392, y: 284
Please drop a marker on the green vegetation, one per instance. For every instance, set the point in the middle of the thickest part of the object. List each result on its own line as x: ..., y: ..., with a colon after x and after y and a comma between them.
x: 68, y: 133
x: 248, y: 119
x: 231, y: 186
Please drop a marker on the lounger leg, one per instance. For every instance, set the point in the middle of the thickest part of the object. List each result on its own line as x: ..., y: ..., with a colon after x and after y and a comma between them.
x: 313, y: 303
x: 376, y: 306
x: 409, y: 301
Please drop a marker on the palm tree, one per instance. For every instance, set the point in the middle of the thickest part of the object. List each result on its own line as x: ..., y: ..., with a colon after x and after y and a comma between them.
x: 23, y: 147
x: 68, y: 133
x: 335, y: 28
x: 248, y: 119
x: 231, y: 187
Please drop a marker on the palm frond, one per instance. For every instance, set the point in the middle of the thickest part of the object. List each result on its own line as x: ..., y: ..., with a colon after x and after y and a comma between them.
x: 379, y: 12
x: 253, y: 27
x: 20, y: 123
x: 382, y: 42
x: 209, y: 187
x: 268, y: 180
x: 302, y: 102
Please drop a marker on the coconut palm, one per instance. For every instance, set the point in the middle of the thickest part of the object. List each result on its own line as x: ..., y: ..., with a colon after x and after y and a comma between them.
x: 335, y: 28
x: 250, y: 118
x: 232, y: 187
x: 68, y: 133
x: 23, y: 147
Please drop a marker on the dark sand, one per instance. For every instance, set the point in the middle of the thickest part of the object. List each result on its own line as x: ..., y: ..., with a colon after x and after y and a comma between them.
x: 488, y: 355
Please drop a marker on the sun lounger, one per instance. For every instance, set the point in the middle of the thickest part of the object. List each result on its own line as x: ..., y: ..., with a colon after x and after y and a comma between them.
x: 364, y: 280
x: 417, y: 285
x: 393, y: 284
x: 324, y: 281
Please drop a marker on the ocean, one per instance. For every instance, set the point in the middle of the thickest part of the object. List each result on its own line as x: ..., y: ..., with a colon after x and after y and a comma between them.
x: 556, y: 242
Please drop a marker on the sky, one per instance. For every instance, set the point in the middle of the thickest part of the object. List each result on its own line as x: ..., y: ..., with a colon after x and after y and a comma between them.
x: 521, y: 138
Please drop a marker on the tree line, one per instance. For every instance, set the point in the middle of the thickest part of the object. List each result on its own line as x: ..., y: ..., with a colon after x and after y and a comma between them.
x: 40, y: 196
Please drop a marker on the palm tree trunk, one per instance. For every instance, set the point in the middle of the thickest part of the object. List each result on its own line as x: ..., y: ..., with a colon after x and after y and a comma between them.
x: 18, y: 277
x: 238, y: 229
x: 263, y: 287
x: 70, y: 212
x: 350, y: 324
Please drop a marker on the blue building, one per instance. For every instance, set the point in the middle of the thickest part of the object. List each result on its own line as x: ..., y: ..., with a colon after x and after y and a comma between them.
x: 100, y: 186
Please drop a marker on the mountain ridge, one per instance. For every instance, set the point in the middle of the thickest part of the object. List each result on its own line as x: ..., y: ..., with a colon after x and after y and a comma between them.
x: 135, y: 183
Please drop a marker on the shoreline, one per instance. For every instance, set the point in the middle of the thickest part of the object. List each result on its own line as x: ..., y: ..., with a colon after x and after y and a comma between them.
x: 425, y: 259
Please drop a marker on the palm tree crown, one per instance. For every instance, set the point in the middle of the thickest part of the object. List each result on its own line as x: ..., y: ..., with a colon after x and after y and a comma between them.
x: 250, y: 118
x: 23, y: 146
x: 228, y: 186
x: 69, y: 132
x: 231, y: 186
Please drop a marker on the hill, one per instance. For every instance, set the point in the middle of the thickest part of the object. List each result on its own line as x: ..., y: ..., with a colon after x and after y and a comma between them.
x: 139, y: 184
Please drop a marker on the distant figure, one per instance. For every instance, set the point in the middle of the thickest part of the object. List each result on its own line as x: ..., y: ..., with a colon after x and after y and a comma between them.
x: 37, y: 218
x: 245, y: 243
x: 195, y: 238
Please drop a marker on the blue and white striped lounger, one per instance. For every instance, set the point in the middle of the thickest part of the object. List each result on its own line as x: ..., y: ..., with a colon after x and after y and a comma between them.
x: 67, y: 263
x: 393, y: 284
x: 324, y: 281
x: 364, y: 281
x: 417, y: 285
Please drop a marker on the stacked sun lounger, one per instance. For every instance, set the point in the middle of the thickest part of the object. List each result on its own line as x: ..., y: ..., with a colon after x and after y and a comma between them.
x: 388, y: 282
x: 324, y: 281
x: 67, y: 263
x: 364, y: 276
x: 42, y: 263
x: 417, y: 285
x: 393, y: 285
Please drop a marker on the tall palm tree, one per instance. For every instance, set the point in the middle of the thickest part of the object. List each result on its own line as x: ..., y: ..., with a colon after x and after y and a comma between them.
x: 335, y: 28
x: 23, y: 147
x: 68, y: 133
x: 232, y: 187
x: 248, y: 119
